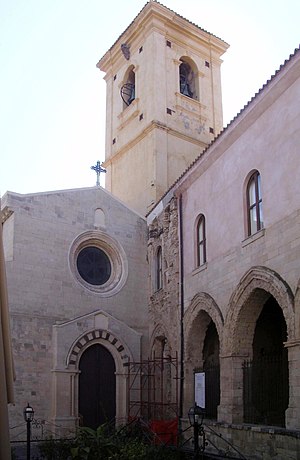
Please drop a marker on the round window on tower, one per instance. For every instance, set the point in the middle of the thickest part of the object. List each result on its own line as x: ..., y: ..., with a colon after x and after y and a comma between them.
x: 98, y: 262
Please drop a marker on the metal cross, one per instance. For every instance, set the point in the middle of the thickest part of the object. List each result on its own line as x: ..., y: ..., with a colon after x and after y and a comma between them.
x: 98, y: 168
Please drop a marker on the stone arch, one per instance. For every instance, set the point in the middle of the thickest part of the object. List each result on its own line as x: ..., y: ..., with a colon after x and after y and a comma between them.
x: 121, y: 355
x: 98, y: 335
x: 159, y: 334
x: 203, y: 302
x: 246, y: 302
x: 202, y: 311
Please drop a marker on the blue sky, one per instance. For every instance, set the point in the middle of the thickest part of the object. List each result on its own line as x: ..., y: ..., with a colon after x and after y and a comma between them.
x: 52, y: 96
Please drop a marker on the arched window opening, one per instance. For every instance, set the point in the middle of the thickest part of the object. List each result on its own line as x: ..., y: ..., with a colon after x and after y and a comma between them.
x: 211, y: 368
x: 128, y: 88
x: 187, y: 79
x: 158, y: 269
x: 254, y: 204
x: 266, y: 386
x: 200, y: 241
x: 99, y: 218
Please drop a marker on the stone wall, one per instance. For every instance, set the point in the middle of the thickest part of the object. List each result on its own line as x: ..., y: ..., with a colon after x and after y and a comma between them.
x: 164, y: 311
x: 254, y: 442
x: 43, y: 232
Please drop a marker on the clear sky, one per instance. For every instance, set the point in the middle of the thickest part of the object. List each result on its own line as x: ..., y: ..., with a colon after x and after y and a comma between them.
x: 52, y: 96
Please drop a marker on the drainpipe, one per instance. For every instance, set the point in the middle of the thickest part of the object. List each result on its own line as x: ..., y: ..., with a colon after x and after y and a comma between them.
x: 181, y: 283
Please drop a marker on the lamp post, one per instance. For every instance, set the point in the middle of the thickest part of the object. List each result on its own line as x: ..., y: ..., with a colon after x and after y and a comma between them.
x: 28, y: 417
x: 196, y: 416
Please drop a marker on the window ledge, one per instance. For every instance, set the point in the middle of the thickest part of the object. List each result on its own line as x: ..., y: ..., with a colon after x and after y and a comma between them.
x: 130, y: 112
x: 199, y: 269
x: 181, y: 99
x: 253, y: 237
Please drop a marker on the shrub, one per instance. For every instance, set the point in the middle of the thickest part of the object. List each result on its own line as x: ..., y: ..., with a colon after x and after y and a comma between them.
x: 56, y: 449
x: 127, y: 443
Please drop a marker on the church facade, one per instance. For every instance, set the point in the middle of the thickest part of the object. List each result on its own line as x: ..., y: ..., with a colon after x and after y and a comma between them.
x: 74, y: 259
x: 195, y: 253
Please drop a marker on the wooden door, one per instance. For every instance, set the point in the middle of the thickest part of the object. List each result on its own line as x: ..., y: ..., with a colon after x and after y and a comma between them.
x: 97, y: 387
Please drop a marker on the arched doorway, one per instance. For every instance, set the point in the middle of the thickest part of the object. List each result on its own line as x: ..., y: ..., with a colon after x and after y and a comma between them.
x: 266, y: 385
x: 202, y: 355
x: 97, y: 387
x: 203, y: 343
x: 258, y: 288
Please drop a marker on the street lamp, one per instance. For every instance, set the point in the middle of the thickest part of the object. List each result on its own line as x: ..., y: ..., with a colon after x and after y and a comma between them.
x: 28, y: 417
x: 196, y: 416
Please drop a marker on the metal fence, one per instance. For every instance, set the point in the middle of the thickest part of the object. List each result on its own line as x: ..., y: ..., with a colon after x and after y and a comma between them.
x: 212, y: 390
x: 266, y: 389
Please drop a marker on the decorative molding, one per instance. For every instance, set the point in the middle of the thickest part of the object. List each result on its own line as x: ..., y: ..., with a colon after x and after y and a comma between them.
x: 93, y: 337
x: 115, y: 253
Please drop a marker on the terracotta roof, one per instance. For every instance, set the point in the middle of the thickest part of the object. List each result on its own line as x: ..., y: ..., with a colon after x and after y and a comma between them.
x: 172, y: 11
x: 272, y: 78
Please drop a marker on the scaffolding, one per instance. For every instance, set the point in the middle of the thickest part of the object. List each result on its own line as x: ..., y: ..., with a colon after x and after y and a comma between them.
x: 153, y: 389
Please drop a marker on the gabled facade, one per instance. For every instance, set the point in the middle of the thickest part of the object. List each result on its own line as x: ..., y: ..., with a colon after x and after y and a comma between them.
x: 74, y: 259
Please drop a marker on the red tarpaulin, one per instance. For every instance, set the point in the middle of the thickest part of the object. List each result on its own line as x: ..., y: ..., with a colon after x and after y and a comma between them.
x: 166, y: 431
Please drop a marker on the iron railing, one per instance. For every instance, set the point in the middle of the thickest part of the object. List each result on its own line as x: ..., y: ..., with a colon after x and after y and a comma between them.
x: 212, y: 391
x: 266, y: 389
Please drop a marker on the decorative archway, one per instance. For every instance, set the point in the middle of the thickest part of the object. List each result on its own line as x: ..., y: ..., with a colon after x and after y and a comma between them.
x: 120, y: 355
x: 92, y: 337
x: 245, y: 304
x: 203, y: 301
x: 256, y: 287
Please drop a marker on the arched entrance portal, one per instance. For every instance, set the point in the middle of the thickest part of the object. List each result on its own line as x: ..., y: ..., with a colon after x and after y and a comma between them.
x: 97, y: 387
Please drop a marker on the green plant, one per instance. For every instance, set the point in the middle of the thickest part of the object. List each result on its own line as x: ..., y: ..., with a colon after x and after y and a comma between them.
x: 56, y: 449
x: 93, y: 444
x: 133, y: 442
x: 13, y: 454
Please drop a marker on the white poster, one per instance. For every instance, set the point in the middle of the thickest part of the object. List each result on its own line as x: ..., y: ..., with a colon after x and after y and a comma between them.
x: 200, y: 389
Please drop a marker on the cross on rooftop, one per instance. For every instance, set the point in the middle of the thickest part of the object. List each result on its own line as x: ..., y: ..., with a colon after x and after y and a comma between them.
x: 98, y: 169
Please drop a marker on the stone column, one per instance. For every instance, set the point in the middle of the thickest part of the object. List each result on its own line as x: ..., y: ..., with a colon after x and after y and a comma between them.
x: 231, y: 381
x: 292, y: 415
x: 64, y: 409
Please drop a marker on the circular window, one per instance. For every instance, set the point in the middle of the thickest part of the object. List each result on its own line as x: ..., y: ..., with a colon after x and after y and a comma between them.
x: 93, y: 265
x: 98, y: 262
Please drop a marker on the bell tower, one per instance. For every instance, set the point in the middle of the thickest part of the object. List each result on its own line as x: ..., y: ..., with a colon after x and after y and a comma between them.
x: 163, y: 103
